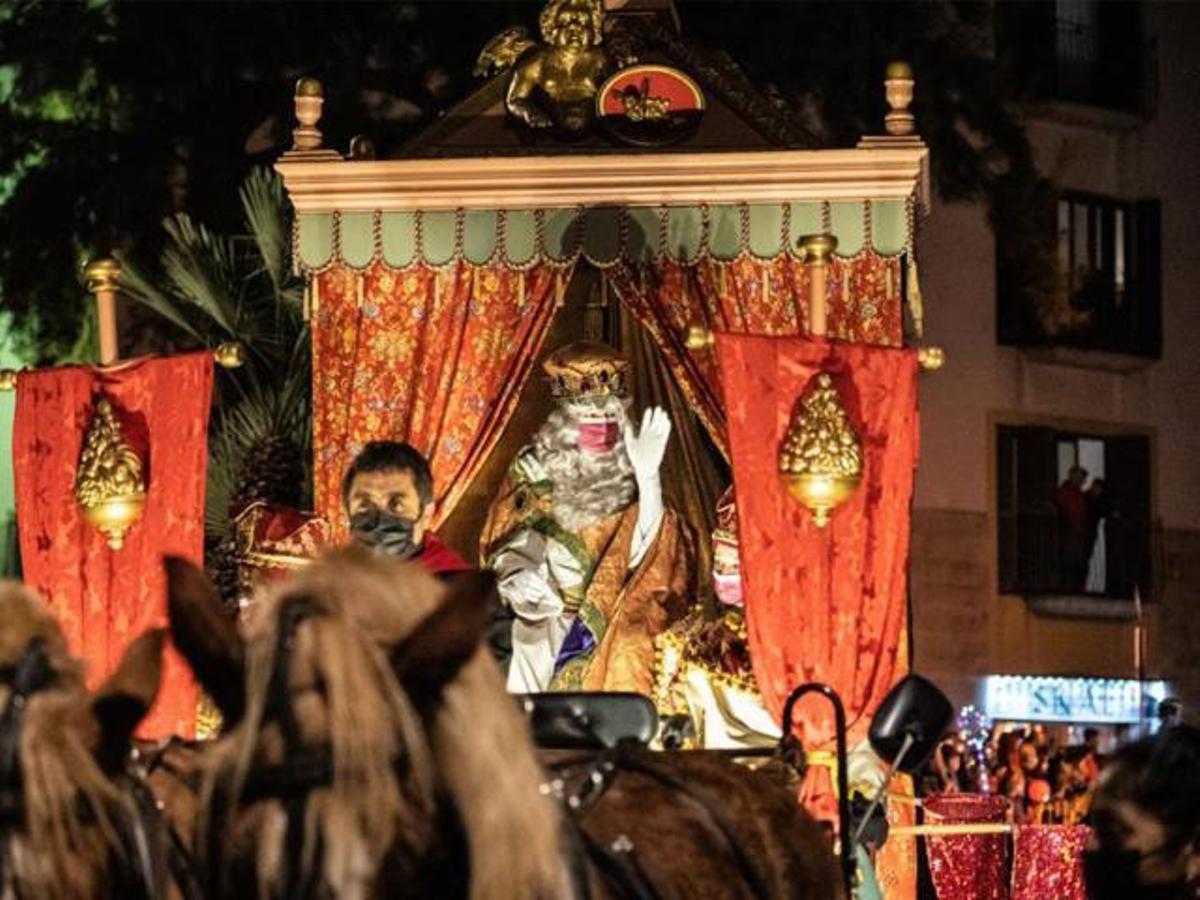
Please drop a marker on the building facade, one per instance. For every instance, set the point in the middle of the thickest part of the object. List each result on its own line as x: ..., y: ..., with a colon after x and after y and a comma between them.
x: 1092, y: 361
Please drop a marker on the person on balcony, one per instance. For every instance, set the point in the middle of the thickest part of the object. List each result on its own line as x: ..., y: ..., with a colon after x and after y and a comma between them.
x: 591, y: 562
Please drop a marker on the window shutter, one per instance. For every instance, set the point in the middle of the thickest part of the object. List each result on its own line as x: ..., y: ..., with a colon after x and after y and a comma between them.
x: 1027, y: 540
x: 1128, y: 531
x: 1147, y: 254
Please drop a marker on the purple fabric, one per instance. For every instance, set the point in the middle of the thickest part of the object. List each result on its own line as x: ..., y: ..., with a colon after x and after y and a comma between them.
x: 579, y: 641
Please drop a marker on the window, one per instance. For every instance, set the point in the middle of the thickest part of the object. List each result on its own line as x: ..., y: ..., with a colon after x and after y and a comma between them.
x: 1073, y: 512
x: 1085, y: 52
x: 1090, y: 279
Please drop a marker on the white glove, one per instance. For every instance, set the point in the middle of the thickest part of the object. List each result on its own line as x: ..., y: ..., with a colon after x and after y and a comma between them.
x: 648, y: 444
x: 529, y: 595
x: 646, y: 448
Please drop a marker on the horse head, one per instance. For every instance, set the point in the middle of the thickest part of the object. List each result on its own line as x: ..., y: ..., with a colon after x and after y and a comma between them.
x: 368, y: 736
x: 70, y: 825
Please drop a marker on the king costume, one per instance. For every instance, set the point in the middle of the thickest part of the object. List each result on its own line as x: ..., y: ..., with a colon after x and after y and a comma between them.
x: 591, y: 563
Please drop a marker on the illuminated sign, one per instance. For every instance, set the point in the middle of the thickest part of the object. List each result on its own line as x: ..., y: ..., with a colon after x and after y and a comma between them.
x: 1095, y: 700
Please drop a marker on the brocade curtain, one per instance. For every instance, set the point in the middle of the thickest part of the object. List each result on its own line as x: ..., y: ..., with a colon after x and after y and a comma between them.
x: 823, y: 604
x: 433, y: 357
x: 751, y: 296
x: 104, y: 598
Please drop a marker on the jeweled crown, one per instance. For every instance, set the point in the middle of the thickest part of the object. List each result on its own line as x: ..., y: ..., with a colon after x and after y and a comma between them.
x: 586, y: 369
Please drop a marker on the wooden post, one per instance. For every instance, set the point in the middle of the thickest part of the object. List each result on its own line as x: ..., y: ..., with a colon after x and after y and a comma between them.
x: 817, y: 249
x: 102, y: 281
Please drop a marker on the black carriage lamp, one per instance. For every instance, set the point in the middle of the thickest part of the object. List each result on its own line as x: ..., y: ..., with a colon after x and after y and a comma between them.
x: 905, y: 730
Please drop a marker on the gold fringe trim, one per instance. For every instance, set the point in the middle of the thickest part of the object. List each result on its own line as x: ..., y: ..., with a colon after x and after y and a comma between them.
x: 915, y: 304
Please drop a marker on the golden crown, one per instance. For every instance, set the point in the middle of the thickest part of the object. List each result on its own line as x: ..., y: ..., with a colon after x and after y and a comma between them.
x: 586, y: 369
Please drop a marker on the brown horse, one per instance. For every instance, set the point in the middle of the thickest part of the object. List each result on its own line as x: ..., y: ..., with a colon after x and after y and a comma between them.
x: 372, y: 751
x: 72, y: 824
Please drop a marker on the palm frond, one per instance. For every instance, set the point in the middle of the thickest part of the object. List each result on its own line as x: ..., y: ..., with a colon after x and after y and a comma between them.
x: 201, y: 267
x: 265, y: 207
x: 137, y: 286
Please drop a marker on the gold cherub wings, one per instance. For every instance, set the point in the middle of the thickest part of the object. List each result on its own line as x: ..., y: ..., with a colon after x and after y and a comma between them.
x: 503, y: 51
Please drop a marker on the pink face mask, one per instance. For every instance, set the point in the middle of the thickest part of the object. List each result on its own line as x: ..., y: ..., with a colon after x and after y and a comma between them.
x: 728, y: 588
x: 598, y: 437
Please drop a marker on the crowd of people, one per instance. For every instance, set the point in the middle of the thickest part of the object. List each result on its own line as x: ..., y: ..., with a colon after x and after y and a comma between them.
x: 1045, y: 781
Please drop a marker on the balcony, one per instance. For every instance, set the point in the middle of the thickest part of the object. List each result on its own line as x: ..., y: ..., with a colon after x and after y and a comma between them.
x: 1080, y: 60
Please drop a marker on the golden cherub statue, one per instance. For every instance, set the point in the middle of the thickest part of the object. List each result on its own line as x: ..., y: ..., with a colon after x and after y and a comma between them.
x: 555, y: 82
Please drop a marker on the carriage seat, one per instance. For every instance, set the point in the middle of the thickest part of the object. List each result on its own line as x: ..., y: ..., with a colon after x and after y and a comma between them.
x: 589, y: 721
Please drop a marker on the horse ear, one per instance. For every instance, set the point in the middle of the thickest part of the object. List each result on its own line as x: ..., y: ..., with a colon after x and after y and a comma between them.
x: 205, y: 635
x: 433, y: 654
x: 126, y: 696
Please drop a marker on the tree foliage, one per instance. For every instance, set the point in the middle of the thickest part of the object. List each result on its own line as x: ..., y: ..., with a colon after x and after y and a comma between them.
x: 116, y: 115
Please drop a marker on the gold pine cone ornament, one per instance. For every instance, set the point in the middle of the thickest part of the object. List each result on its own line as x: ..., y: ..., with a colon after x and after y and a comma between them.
x: 110, y: 483
x: 821, y: 457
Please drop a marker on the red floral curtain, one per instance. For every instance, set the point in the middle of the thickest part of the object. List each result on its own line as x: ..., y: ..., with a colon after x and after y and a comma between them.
x: 105, y: 598
x: 823, y: 604
x: 750, y: 296
x: 433, y: 357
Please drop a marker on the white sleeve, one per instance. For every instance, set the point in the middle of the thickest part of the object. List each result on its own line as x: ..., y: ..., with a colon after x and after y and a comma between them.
x: 649, y: 519
x: 525, y: 585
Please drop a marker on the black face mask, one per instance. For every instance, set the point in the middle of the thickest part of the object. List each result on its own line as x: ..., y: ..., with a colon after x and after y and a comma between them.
x: 384, y: 532
x: 1113, y: 875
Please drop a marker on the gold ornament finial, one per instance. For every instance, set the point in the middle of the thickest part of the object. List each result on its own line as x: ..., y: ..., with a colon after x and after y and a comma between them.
x: 898, y: 88
x: 230, y: 355
x: 110, y: 483
x: 102, y: 275
x: 697, y: 337
x: 308, y: 100
x: 818, y: 248
x: 8, y: 379
x: 931, y: 359
x: 821, y: 457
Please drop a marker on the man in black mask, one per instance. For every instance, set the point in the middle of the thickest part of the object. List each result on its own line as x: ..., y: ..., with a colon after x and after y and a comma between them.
x: 388, y: 495
x: 1146, y: 821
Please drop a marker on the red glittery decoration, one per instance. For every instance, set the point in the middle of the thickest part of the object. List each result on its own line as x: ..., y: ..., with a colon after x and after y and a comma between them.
x: 1048, y: 862
x: 968, y: 867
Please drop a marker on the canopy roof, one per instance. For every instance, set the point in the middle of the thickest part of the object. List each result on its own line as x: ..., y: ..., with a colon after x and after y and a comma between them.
x: 482, y: 188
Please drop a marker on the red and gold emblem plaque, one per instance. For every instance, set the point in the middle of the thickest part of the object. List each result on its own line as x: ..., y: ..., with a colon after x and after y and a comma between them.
x: 649, y: 105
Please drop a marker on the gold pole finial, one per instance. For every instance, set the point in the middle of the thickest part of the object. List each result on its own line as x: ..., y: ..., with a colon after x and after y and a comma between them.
x: 931, y: 359
x: 817, y: 250
x: 362, y: 147
x: 8, y: 379
x: 230, y: 355
x: 697, y: 337
x: 308, y: 99
x: 102, y: 275
x: 898, y: 86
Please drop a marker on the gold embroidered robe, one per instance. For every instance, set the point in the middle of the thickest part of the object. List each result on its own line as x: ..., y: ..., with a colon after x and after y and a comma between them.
x: 624, y: 609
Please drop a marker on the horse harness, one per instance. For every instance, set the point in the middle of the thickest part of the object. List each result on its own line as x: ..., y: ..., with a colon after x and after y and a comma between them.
x: 579, y: 783
x: 137, y: 877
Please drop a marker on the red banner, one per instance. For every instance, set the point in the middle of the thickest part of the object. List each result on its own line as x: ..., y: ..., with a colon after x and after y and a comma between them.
x: 105, y: 598
x: 823, y: 604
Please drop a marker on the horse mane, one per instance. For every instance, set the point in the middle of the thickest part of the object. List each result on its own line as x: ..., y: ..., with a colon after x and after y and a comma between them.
x: 472, y: 746
x: 55, y: 853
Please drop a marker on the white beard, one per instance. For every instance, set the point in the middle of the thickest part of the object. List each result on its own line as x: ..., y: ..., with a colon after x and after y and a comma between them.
x: 587, y: 487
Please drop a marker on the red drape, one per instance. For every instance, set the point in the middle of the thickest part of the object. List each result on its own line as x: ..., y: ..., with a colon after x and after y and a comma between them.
x: 105, y: 598
x: 968, y: 867
x: 751, y: 296
x: 823, y: 604
x: 435, y: 358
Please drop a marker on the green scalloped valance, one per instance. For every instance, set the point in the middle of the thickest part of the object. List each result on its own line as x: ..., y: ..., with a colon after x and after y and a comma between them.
x: 602, y: 236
